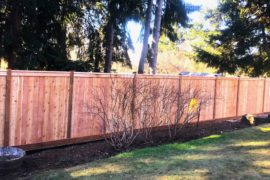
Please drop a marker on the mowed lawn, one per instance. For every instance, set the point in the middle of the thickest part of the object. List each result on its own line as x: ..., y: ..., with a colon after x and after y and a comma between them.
x: 242, y: 154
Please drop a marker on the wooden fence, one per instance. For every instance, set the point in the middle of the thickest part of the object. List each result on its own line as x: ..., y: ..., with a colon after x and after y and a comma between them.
x: 39, y: 109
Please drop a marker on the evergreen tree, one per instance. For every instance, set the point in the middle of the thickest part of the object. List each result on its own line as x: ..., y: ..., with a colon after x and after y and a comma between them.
x: 242, y: 46
x: 119, y: 13
x: 35, y: 33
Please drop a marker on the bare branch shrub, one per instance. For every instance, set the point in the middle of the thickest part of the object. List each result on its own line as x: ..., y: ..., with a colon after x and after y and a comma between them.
x: 129, y: 109
x: 152, y: 102
x: 129, y: 106
x: 117, y: 111
x: 183, y: 106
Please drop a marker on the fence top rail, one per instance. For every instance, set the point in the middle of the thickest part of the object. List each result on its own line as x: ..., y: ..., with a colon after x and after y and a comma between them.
x: 3, y: 73
x: 37, y: 73
x: 26, y: 73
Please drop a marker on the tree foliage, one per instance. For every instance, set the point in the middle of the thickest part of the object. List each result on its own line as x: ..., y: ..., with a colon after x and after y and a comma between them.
x: 39, y: 34
x: 242, y: 46
x: 52, y: 34
x: 35, y: 33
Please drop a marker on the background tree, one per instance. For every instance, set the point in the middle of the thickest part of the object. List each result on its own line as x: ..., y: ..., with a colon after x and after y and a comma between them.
x: 147, y: 25
x: 45, y: 35
x: 156, y: 35
x: 242, y: 46
x: 35, y: 33
x: 119, y: 13
x: 167, y: 23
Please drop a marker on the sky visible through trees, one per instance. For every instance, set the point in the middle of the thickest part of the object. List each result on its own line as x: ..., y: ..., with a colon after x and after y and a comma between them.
x: 136, y: 34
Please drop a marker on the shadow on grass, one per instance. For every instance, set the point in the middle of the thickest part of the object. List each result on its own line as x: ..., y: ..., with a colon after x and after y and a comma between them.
x: 243, y: 154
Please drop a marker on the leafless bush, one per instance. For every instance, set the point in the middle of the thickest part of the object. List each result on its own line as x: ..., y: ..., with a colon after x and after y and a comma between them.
x: 152, y: 108
x: 183, y: 106
x: 129, y: 109
x: 129, y: 106
x: 116, y: 109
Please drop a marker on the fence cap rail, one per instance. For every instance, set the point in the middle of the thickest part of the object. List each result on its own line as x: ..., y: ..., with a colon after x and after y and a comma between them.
x: 31, y: 73
x: 3, y: 73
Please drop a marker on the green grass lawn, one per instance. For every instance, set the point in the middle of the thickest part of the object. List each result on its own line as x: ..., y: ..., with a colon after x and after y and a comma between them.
x: 242, y: 154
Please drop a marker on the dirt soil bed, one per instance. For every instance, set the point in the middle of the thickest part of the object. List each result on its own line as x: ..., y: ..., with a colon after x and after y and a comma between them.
x: 68, y: 156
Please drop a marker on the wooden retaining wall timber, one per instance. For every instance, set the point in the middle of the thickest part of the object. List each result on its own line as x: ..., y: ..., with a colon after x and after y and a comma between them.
x: 40, y: 108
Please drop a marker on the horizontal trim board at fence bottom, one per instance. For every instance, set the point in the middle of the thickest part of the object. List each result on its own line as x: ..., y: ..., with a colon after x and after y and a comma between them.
x: 73, y: 141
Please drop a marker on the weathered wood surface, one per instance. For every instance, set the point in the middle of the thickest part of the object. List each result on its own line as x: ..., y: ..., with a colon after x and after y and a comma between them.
x: 42, y: 110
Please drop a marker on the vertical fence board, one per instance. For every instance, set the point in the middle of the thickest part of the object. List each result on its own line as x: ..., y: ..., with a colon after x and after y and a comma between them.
x: 243, y: 97
x: 267, y: 96
x: 15, y: 110
x: 2, y: 108
x: 70, y: 103
x: 226, y: 97
x: 263, y: 100
x: 7, y: 118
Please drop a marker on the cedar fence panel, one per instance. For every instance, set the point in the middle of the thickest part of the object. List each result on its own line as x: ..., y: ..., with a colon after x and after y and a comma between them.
x: 38, y: 109
x: 55, y: 108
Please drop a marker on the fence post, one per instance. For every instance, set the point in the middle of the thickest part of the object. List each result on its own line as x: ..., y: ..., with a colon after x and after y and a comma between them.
x: 70, y: 103
x: 179, y: 90
x: 237, y: 96
x: 179, y: 86
x: 134, y: 87
x: 264, y: 91
x: 7, y: 108
x: 215, y: 99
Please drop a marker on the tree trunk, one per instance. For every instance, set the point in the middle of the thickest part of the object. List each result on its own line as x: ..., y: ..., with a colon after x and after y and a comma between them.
x: 96, y: 64
x: 156, y: 35
x: 110, y: 38
x: 109, y: 48
x: 146, y: 36
x: 265, y: 44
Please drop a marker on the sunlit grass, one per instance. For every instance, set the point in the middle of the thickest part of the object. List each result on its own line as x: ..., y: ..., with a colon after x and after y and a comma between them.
x: 265, y: 129
x: 111, y: 168
x: 252, y: 143
x: 243, y: 154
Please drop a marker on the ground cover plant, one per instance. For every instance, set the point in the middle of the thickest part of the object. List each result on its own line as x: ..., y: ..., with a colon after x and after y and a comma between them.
x: 242, y: 154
